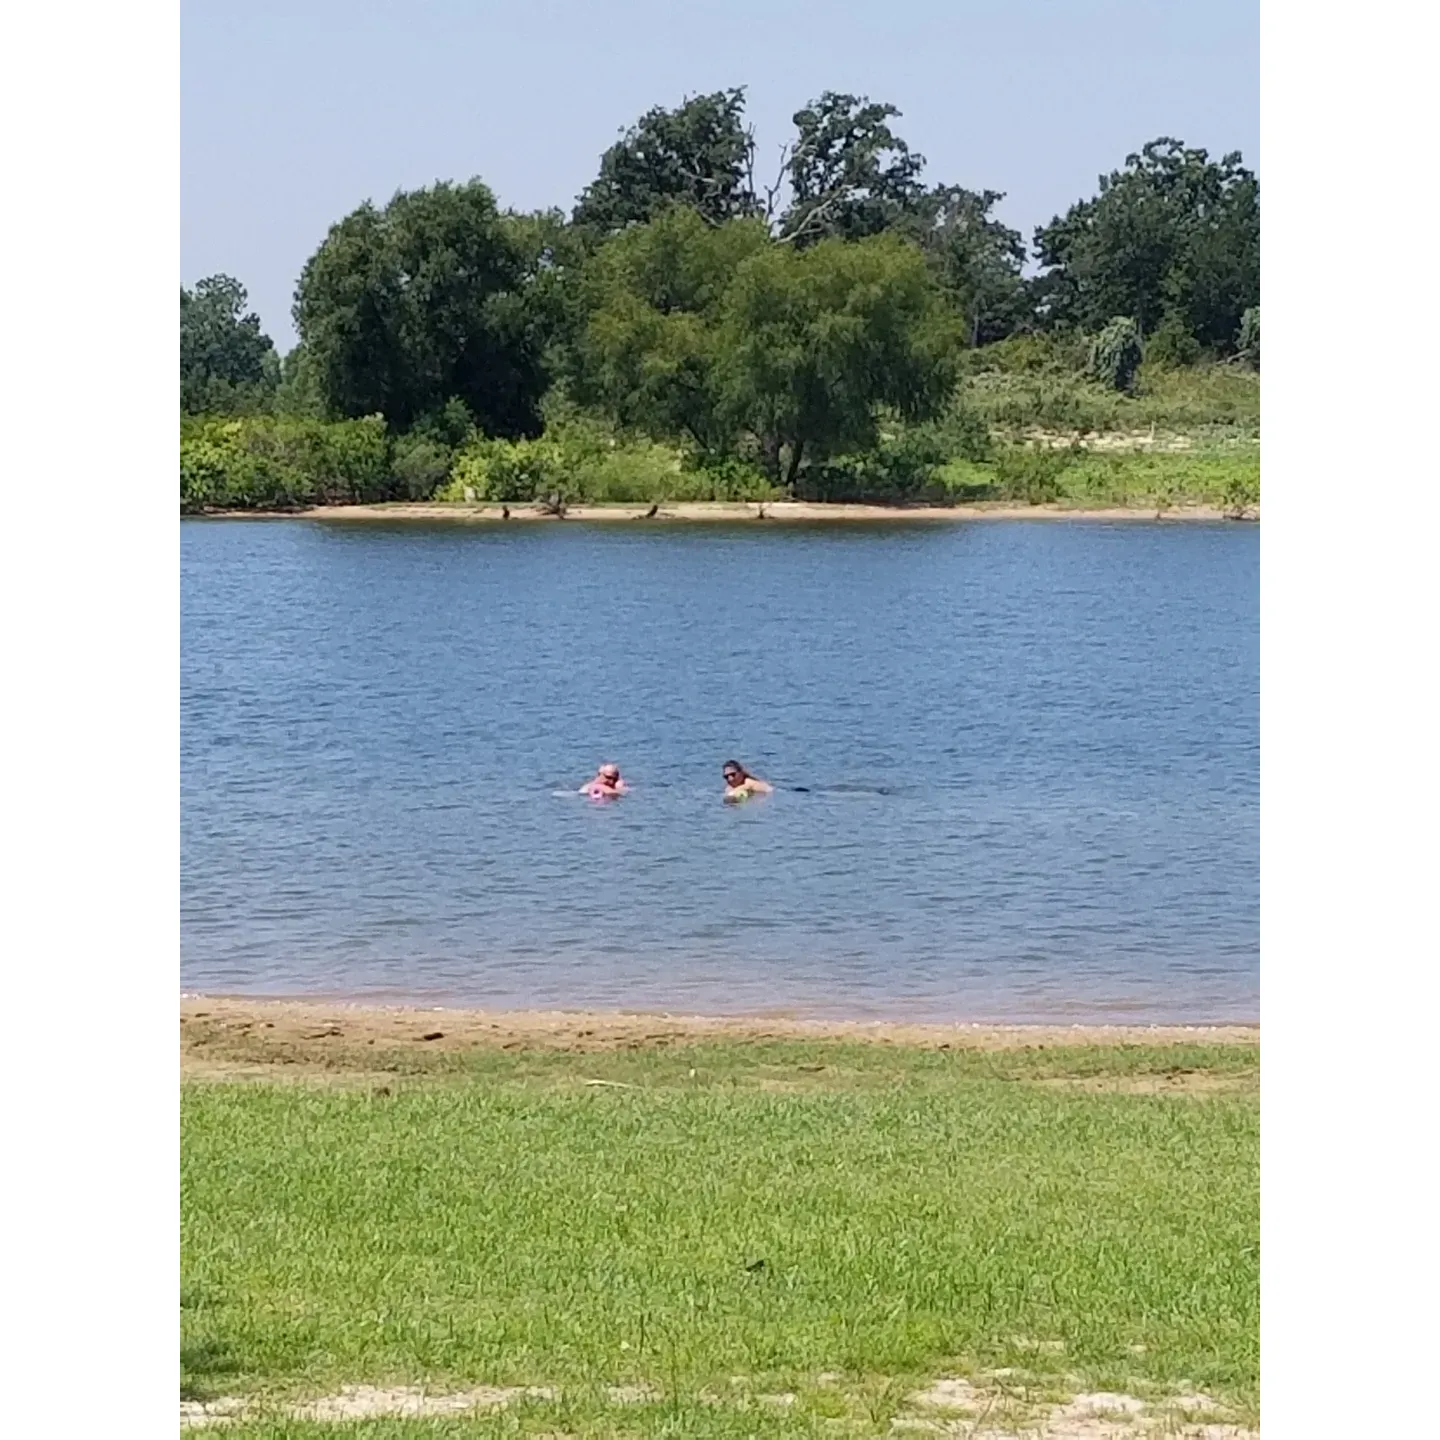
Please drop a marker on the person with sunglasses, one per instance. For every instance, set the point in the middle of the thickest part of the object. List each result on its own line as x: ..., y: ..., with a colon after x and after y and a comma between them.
x: 740, y: 784
x: 607, y: 784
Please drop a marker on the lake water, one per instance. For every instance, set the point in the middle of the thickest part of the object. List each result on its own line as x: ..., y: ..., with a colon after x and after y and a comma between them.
x: 1031, y: 753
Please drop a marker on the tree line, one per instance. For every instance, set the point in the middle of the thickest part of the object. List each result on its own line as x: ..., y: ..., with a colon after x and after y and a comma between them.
x: 780, y: 326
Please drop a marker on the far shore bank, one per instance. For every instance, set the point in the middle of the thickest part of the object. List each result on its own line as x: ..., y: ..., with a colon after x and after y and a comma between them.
x: 781, y: 511
x: 305, y: 1032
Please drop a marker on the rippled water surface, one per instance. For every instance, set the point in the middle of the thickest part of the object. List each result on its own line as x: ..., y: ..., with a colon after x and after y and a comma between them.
x: 1030, y: 753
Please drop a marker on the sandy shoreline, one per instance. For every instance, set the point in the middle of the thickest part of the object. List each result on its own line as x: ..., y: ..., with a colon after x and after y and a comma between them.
x: 300, y: 1031
x: 787, y: 511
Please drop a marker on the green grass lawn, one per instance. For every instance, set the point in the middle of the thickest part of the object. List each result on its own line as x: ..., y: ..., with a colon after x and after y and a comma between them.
x: 838, y: 1222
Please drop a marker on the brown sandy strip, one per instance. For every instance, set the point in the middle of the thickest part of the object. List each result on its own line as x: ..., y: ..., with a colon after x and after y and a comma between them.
x: 780, y: 510
x: 217, y: 1033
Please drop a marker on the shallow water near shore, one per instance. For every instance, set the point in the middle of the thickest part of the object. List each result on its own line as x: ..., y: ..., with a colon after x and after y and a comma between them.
x: 1017, y: 767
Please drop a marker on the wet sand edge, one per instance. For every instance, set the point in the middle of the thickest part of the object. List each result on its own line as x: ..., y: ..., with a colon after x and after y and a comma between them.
x: 316, y: 1029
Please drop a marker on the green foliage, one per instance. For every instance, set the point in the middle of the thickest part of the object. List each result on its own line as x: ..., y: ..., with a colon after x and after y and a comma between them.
x: 1172, y: 345
x: 299, y: 394
x: 745, y: 347
x: 402, y: 308
x: 815, y: 342
x: 1030, y: 473
x: 1249, y: 338
x: 850, y: 174
x: 978, y: 260
x: 1172, y: 232
x: 1240, y: 490
x: 865, y: 342
x: 1115, y: 354
x: 902, y: 468
x: 581, y: 461
x: 696, y: 155
x: 419, y: 467
x: 1038, y: 383
x: 263, y: 462
x: 227, y: 365
x: 450, y: 426
x: 648, y: 351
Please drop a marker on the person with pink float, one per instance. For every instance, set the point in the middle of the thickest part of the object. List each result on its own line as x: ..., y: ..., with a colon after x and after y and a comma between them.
x: 607, y: 784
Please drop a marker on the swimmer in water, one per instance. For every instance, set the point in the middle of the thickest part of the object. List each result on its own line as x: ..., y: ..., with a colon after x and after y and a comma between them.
x: 606, y: 785
x: 741, y: 785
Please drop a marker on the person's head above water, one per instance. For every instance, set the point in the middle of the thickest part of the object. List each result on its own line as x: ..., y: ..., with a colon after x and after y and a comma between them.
x: 607, y: 781
x: 740, y: 783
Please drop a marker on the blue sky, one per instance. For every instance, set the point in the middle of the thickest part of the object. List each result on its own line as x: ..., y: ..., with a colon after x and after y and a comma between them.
x: 292, y: 114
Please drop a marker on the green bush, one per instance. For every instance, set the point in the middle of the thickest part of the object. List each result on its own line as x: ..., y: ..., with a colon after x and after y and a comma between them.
x: 1240, y: 492
x: 419, y: 467
x: 727, y: 477
x: 1031, y: 473
x: 1030, y: 355
x: 1115, y: 354
x: 266, y: 462
x: 583, y: 462
x: 902, y: 468
x: 1172, y: 346
x: 1229, y: 479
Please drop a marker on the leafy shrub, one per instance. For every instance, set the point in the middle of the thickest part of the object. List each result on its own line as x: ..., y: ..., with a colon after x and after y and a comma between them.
x: 1115, y: 354
x: 510, y: 471
x: 1241, y: 491
x: 584, y: 461
x: 902, y: 468
x: 419, y: 467
x: 1031, y: 473
x: 452, y: 426
x: 727, y: 477
x: 1031, y: 355
x: 1229, y: 478
x: 266, y: 462
x: 965, y: 480
x: 1172, y: 346
x: 963, y: 433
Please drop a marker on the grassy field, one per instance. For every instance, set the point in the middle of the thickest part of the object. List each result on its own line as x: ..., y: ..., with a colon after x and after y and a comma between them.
x: 717, y: 1227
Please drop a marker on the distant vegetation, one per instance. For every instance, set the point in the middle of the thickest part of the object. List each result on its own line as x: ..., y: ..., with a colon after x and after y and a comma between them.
x: 689, y: 331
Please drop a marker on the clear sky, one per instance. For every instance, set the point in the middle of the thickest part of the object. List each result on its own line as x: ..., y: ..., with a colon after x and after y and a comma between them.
x: 294, y: 113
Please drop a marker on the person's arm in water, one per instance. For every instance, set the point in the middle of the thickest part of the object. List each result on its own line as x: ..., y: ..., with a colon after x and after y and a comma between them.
x: 756, y: 786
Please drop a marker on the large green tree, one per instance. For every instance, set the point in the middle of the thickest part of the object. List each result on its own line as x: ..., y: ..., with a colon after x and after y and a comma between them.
x: 1172, y: 234
x: 227, y: 364
x: 697, y: 155
x: 850, y: 174
x: 815, y: 343
x: 431, y: 299
x: 740, y: 344
x: 979, y: 260
x: 648, y: 349
x: 846, y: 173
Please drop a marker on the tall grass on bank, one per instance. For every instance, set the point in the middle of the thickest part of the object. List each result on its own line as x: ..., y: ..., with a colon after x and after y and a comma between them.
x: 1038, y: 384
x: 720, y: 1211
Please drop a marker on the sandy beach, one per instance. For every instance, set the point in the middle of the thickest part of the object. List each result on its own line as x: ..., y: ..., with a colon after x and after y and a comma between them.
x: 219, y: 1033
x: 781, y: 511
